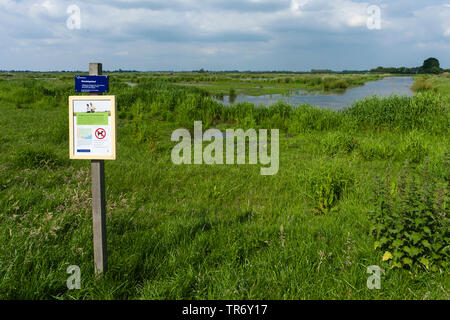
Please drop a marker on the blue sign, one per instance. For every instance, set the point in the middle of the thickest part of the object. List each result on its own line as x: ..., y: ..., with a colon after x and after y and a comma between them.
x: 93, y: 84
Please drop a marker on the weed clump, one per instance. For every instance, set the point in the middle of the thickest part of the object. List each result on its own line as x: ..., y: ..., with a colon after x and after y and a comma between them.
x: 328, y: 184
x: 375, y: 150
x: 414, y: 148
x: 333, y: 83
x: 410, y: 222
x: 422, y: 85
x: 339, y: 142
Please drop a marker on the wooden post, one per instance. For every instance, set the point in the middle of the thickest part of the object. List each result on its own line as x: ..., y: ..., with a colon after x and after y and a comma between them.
x: 98, y: 201
x: 95, y: 69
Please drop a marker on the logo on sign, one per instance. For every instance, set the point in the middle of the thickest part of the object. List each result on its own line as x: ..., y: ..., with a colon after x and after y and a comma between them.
x: 100, y: 133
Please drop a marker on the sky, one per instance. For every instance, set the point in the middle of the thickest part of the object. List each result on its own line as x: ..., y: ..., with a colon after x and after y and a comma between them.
x: 218, y: 35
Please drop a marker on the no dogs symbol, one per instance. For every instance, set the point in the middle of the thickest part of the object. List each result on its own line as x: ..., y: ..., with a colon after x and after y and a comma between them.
x: 100, y: 133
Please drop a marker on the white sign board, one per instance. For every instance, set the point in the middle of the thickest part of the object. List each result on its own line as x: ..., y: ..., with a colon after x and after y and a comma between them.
x: 92, y: 127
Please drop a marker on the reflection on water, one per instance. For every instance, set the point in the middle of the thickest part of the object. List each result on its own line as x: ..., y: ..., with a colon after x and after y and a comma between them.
x: 385, y: 87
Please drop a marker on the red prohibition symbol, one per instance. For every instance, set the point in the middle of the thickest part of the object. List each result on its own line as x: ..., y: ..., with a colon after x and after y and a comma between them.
x: 100, y: 133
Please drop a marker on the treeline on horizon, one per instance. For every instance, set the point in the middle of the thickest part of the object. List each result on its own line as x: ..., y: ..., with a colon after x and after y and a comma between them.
x: 403, y: 70
x: 430, y: 66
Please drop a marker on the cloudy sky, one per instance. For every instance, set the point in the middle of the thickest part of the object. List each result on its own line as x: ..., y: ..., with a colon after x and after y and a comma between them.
x: 222, y: 34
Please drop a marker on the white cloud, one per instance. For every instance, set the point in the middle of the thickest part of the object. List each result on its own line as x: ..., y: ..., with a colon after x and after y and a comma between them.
x: 434, y: 20
x: 209, y: 51
x: 297, y: 5
x: 265, y: 33
x: 337, y: 15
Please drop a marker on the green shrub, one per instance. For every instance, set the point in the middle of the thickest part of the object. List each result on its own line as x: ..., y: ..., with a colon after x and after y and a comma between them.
x: 410, y: 223
x: 328, y: 185
x: 341, y: 84
x: 331, y: 83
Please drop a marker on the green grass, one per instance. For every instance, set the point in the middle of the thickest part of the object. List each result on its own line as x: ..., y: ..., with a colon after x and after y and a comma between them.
x: 421, y: 85
x: 208, y: 232
x: 436, y: 83
x: 218, y: 84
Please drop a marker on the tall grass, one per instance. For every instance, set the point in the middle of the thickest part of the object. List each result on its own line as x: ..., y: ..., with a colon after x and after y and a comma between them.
x: 425, y: 111
x: 150, y: 99
x: 423, y: 85
x: 217, y: 232
x: 330, y: 83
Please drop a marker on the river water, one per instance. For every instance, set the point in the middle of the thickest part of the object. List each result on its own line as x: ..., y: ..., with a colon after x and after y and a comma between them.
x: 385, y: 87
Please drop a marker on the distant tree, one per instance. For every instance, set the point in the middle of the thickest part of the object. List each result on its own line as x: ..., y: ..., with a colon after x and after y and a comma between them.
x: 321, y: 71
x: 391, y: 70
x: 431, y: 65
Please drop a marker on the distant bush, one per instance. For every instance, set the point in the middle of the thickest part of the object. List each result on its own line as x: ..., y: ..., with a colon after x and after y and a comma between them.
x: 334, y: 83
x: 315, y: 81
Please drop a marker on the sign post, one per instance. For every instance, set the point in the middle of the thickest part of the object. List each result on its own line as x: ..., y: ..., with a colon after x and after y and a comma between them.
x: 99, y: 215
x: 98, y: 201
x: 92, y: 126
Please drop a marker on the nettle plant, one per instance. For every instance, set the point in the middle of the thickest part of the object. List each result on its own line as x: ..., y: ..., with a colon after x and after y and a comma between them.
x: 411, y: 225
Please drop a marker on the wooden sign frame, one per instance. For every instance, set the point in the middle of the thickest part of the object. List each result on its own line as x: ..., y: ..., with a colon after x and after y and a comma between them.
x: 111, y: 126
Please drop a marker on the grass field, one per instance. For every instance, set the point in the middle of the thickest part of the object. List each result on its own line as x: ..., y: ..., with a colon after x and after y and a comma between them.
x: 225, y: 232
x: 435, y: 83
x: 219, y: 84
x: 259, y: 84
